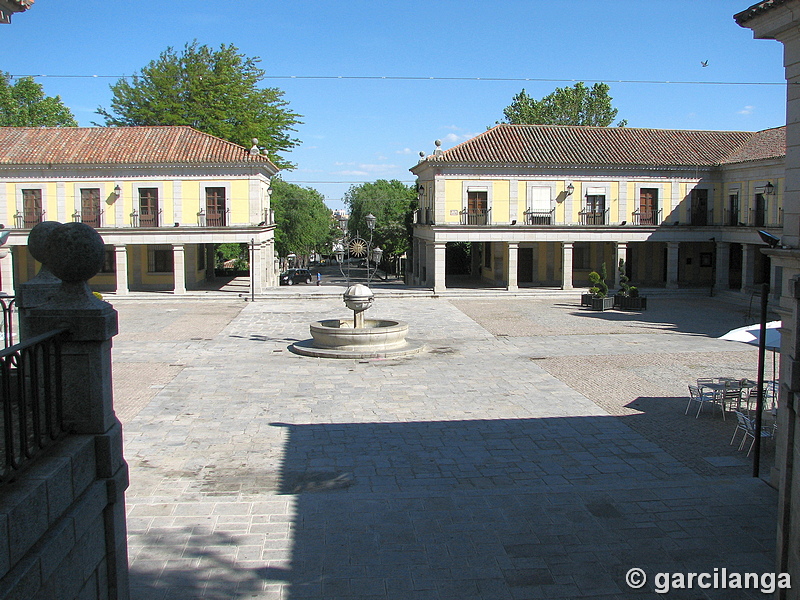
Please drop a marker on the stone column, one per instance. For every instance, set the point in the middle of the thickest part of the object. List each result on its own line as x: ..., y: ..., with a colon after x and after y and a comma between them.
x: 75, y: 252
x: 179, y: 268
x: 439, y: 266
x: 566, y: 265
x: 748, y: 266
x: 258, y: 269
x: 722, y: 264
x: 511, y: 267
x: 121, y: 258
x: 621, y: 253
x: 672, y: 265
x: 7, y: 271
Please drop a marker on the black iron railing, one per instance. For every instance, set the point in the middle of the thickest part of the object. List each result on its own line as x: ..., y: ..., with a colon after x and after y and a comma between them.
x: 475, y: 217
x: 647, y: 217
x: 8, y: 306
x: 540, y: 217
x: 593, y: 217
x: 32, y: 406
x: 28, y: 218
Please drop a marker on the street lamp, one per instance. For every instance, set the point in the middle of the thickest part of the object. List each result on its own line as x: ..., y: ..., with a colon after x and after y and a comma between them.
x: 349, y: 247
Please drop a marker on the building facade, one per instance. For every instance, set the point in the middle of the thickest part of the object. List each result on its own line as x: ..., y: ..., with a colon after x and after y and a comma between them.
x: 161, y: 197
x: 543, y: 206
x: 780, y: 20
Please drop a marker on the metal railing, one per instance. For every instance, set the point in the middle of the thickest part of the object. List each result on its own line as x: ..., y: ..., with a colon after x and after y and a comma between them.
x: 28, y: 218
x: 540, y: 217
x: 593, y: 217
x: 8, y: 305
x: 475, y: 217
x: 647, y: 217
x: 32, y: 400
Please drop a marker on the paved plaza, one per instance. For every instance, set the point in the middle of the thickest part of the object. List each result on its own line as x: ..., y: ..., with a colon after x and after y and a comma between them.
x: 535, y: 450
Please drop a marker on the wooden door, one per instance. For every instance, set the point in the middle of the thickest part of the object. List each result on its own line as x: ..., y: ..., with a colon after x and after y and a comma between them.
x: 90, y: 207
x: 148, y: 207
x: 215, y: 206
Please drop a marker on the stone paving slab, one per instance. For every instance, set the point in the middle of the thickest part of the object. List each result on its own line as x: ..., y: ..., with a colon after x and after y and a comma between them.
x: 481, y: 469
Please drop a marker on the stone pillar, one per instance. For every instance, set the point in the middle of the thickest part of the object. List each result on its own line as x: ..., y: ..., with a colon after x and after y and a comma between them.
x: 7, y: 271
x: 179, y: 268
x: 673, y: 256
x: 748, y: 266
x: 722, y: 265
x: 258, y: 269
x: 423, y: 263
x: 75, y: 252
x: 439, y: 266
x: 566, y: 265
x: 621, y: 253
x: 511, y: 266
x: 121, y: 258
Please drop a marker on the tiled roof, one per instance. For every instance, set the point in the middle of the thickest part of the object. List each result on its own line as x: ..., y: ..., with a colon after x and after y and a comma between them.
x: 762, y: 145
x: 757, y: 9
x: 118, y: 145
x: 559, y: 146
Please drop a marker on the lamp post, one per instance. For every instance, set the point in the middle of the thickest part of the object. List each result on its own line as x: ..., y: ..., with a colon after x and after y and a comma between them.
x: 349, y: 247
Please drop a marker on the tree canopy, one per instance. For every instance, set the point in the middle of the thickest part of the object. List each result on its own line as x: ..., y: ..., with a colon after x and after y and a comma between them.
x: 23, y: 104
x: 214, y: 91
x: 303, y: 223
x: 576, y: 105
x: 392, y: 203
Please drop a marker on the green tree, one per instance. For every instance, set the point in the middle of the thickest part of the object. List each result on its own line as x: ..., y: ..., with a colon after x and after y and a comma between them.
x: 238, y: 252
x: 576, y: 105
x: 23, y: 104
x: 303, y: 223
x: 214, y: 91
x: 392, y: 203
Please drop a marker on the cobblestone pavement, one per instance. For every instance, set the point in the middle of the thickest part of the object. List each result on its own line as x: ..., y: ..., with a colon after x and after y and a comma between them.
x: 536, y: 450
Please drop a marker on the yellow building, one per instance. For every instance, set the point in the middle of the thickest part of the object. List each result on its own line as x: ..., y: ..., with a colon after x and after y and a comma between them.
x: 161, y: 197
x: 543, y: 206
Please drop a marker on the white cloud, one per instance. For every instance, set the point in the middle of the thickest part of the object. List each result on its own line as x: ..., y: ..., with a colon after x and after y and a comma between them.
x: 404, y: 151
x: 747, y: 110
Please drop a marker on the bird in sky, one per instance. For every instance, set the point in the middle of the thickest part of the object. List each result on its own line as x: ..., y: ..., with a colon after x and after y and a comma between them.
x: 703, y: 63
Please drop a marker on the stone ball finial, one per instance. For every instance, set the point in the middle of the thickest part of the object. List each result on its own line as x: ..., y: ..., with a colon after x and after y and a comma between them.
x: 37, y: 239
x: 74, y: 252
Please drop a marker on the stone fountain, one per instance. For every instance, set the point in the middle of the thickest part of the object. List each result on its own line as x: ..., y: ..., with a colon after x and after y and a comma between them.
x: 359, y: 337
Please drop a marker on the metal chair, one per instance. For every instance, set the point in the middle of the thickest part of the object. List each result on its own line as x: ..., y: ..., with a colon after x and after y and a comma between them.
x: 700, y: 396
x: 748, y: 426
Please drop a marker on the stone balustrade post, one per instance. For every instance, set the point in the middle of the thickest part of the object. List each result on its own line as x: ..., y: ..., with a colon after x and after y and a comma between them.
x: 74, y: 252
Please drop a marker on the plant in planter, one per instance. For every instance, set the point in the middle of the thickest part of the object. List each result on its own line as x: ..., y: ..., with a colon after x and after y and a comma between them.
x: 600, y: 299
x: 628, y: 297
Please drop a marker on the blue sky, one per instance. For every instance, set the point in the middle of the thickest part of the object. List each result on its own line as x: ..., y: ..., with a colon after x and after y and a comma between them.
x: 361, y: 130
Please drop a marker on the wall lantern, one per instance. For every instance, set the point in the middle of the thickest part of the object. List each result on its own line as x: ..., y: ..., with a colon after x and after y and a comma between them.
x: 117, y: 191
x: 570, y: 189
x: 767, y: 190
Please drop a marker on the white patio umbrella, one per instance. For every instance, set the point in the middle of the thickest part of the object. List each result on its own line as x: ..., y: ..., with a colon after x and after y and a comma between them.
x: 751, y: 334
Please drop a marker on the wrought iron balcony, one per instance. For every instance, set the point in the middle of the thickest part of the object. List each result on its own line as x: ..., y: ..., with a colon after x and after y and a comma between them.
x: 540, y: 217
x: 475, y: 217
x: 647, y: 218
x: 593, y: 217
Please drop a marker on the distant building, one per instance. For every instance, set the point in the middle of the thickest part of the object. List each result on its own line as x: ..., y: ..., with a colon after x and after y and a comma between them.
x: 543, y: 206
x: 161, y: 197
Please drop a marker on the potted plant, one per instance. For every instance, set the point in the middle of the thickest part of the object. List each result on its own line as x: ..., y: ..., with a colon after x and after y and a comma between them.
x: 628, y: 297
x: 600, y: 300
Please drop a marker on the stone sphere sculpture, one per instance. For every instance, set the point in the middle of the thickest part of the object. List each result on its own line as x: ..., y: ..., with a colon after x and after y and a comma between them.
x: 74, y: 252
x: 37, y: 239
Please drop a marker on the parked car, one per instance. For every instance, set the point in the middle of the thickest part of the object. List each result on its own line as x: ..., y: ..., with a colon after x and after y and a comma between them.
x: 293, y: 276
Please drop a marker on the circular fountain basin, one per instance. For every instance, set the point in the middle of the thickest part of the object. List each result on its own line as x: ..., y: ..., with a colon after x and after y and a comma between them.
x: 337, y: 338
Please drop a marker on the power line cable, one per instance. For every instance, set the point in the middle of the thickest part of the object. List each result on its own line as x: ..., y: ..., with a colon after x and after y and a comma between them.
x: 421, y: 78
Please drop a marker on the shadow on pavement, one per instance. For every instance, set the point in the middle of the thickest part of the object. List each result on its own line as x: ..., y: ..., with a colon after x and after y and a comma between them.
x: 556, y: 508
